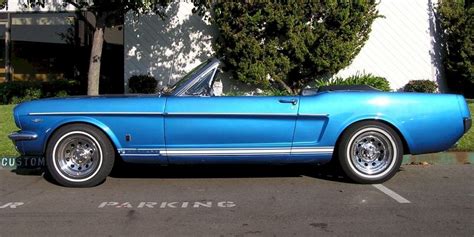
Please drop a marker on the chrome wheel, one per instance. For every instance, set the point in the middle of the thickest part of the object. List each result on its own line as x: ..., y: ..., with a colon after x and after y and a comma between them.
x: 371, y: 152
x: 77, y: 156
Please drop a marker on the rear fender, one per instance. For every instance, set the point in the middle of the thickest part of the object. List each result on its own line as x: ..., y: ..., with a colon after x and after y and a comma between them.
x: 406, y: 138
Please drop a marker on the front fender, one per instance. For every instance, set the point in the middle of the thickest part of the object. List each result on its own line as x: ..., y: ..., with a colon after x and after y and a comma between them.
x: 45, y: 126
x: 82, y: 119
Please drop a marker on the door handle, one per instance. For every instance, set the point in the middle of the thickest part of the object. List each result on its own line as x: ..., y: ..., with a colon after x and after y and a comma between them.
x: 292, y: 101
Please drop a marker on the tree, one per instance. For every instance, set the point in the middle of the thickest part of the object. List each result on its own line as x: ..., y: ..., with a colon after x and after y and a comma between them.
x: 457, y: 21
x: 107, y: 13
x: 290, y: 44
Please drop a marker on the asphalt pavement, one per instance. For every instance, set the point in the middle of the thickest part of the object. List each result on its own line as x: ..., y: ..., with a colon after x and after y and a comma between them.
x: 431, y: 200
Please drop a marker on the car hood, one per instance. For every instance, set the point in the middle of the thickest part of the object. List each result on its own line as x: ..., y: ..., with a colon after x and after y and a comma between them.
x: 102, y: 103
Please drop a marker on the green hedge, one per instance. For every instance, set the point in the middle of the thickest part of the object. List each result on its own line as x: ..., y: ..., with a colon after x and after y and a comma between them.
x: 363, y: 79
x: 19, y: 91
x: 425, y: 86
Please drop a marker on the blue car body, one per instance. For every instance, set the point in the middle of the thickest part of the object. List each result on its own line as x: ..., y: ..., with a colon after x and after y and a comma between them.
x: 176, y: 129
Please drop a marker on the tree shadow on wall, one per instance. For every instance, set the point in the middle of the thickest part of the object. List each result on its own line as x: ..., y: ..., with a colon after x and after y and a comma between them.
x: 167, y: 48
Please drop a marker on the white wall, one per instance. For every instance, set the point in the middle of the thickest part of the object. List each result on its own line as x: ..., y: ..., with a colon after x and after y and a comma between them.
x: 401, y: 46
x: 166, y: 49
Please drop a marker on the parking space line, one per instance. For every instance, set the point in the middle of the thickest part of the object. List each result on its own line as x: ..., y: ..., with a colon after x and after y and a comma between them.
x: 391, y: 193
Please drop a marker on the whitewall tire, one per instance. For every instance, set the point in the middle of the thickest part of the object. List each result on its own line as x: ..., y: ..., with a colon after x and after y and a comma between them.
x: 79, y: 155
x: 370, y: 152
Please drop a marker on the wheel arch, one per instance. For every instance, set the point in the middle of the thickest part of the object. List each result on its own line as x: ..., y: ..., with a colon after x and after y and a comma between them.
x: 406, y: 147
x: 94, y: 123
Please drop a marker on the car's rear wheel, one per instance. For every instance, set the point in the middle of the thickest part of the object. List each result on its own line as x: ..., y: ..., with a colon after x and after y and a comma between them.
x: 370, y: 152
x: 79, y: 155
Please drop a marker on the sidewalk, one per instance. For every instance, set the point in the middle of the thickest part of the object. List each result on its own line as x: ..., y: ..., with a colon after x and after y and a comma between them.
x: 443, y: 158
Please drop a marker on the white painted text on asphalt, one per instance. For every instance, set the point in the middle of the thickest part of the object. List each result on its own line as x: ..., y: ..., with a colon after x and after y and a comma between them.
x: 202, y: 204
x: 11, y: 205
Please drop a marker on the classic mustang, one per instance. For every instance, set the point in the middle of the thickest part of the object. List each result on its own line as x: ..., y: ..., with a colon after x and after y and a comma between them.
x: 366, y: 130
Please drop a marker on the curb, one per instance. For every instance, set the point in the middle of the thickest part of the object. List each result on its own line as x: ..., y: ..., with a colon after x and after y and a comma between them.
x: 441, y: 158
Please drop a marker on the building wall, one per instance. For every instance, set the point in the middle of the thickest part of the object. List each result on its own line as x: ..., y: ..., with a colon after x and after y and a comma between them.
x: 38, y: 45
x: 38, y: 39
x: 403, y: 45
x: 23, y: 6
x: 53, y: 42
x: 166, y: 48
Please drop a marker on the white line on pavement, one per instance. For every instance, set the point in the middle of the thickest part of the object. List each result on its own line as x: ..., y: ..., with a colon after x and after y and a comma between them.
x: 391, y: 193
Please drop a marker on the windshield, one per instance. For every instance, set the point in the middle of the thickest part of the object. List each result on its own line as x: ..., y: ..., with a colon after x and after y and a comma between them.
x: 185, y: 79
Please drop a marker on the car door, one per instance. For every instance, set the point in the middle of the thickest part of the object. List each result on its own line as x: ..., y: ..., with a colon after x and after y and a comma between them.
x: 311, y: 140
x: 229, y: 128
x: 138, y: 124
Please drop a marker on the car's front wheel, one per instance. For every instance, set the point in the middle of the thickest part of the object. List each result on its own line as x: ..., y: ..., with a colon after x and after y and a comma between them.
x: 370, y: 152
x: 79, y: 155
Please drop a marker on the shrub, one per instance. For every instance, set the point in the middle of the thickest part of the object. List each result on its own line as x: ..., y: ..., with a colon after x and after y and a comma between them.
x: 19, y: 91
x: 364, y: 79
x: 257, y: 92
x: 61, y: 94
x: 425, y: 86
x: 30, y: 94
x: 142, y: 84
x: 63, y: 87
x: 16, y: 89
x: 456, y: 19
x: 275, y: 92
x: 288, y: 44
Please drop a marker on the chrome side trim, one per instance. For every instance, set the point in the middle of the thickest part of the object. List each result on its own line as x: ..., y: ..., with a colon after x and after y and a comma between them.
x: 229, y: 154
x: 96, y: 113
x: 226, y: 148
x: 178, y: 114
x: 227, y: 114
x: 19, y: 136
x: 140, y: 151
x: 225, y: 151
x: 313, y: 115
x: 140, y: 154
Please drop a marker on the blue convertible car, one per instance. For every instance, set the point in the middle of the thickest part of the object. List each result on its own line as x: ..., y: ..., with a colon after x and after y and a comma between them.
x: 366, y: 130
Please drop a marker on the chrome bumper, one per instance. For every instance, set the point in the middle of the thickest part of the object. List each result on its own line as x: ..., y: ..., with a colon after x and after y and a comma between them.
x: 467, y: 124
x: 21, y: 136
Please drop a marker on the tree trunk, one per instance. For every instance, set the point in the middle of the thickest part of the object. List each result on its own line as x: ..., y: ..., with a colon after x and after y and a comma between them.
x: 96, y: 56
x: 284, y: 85
x: 8, y: 43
